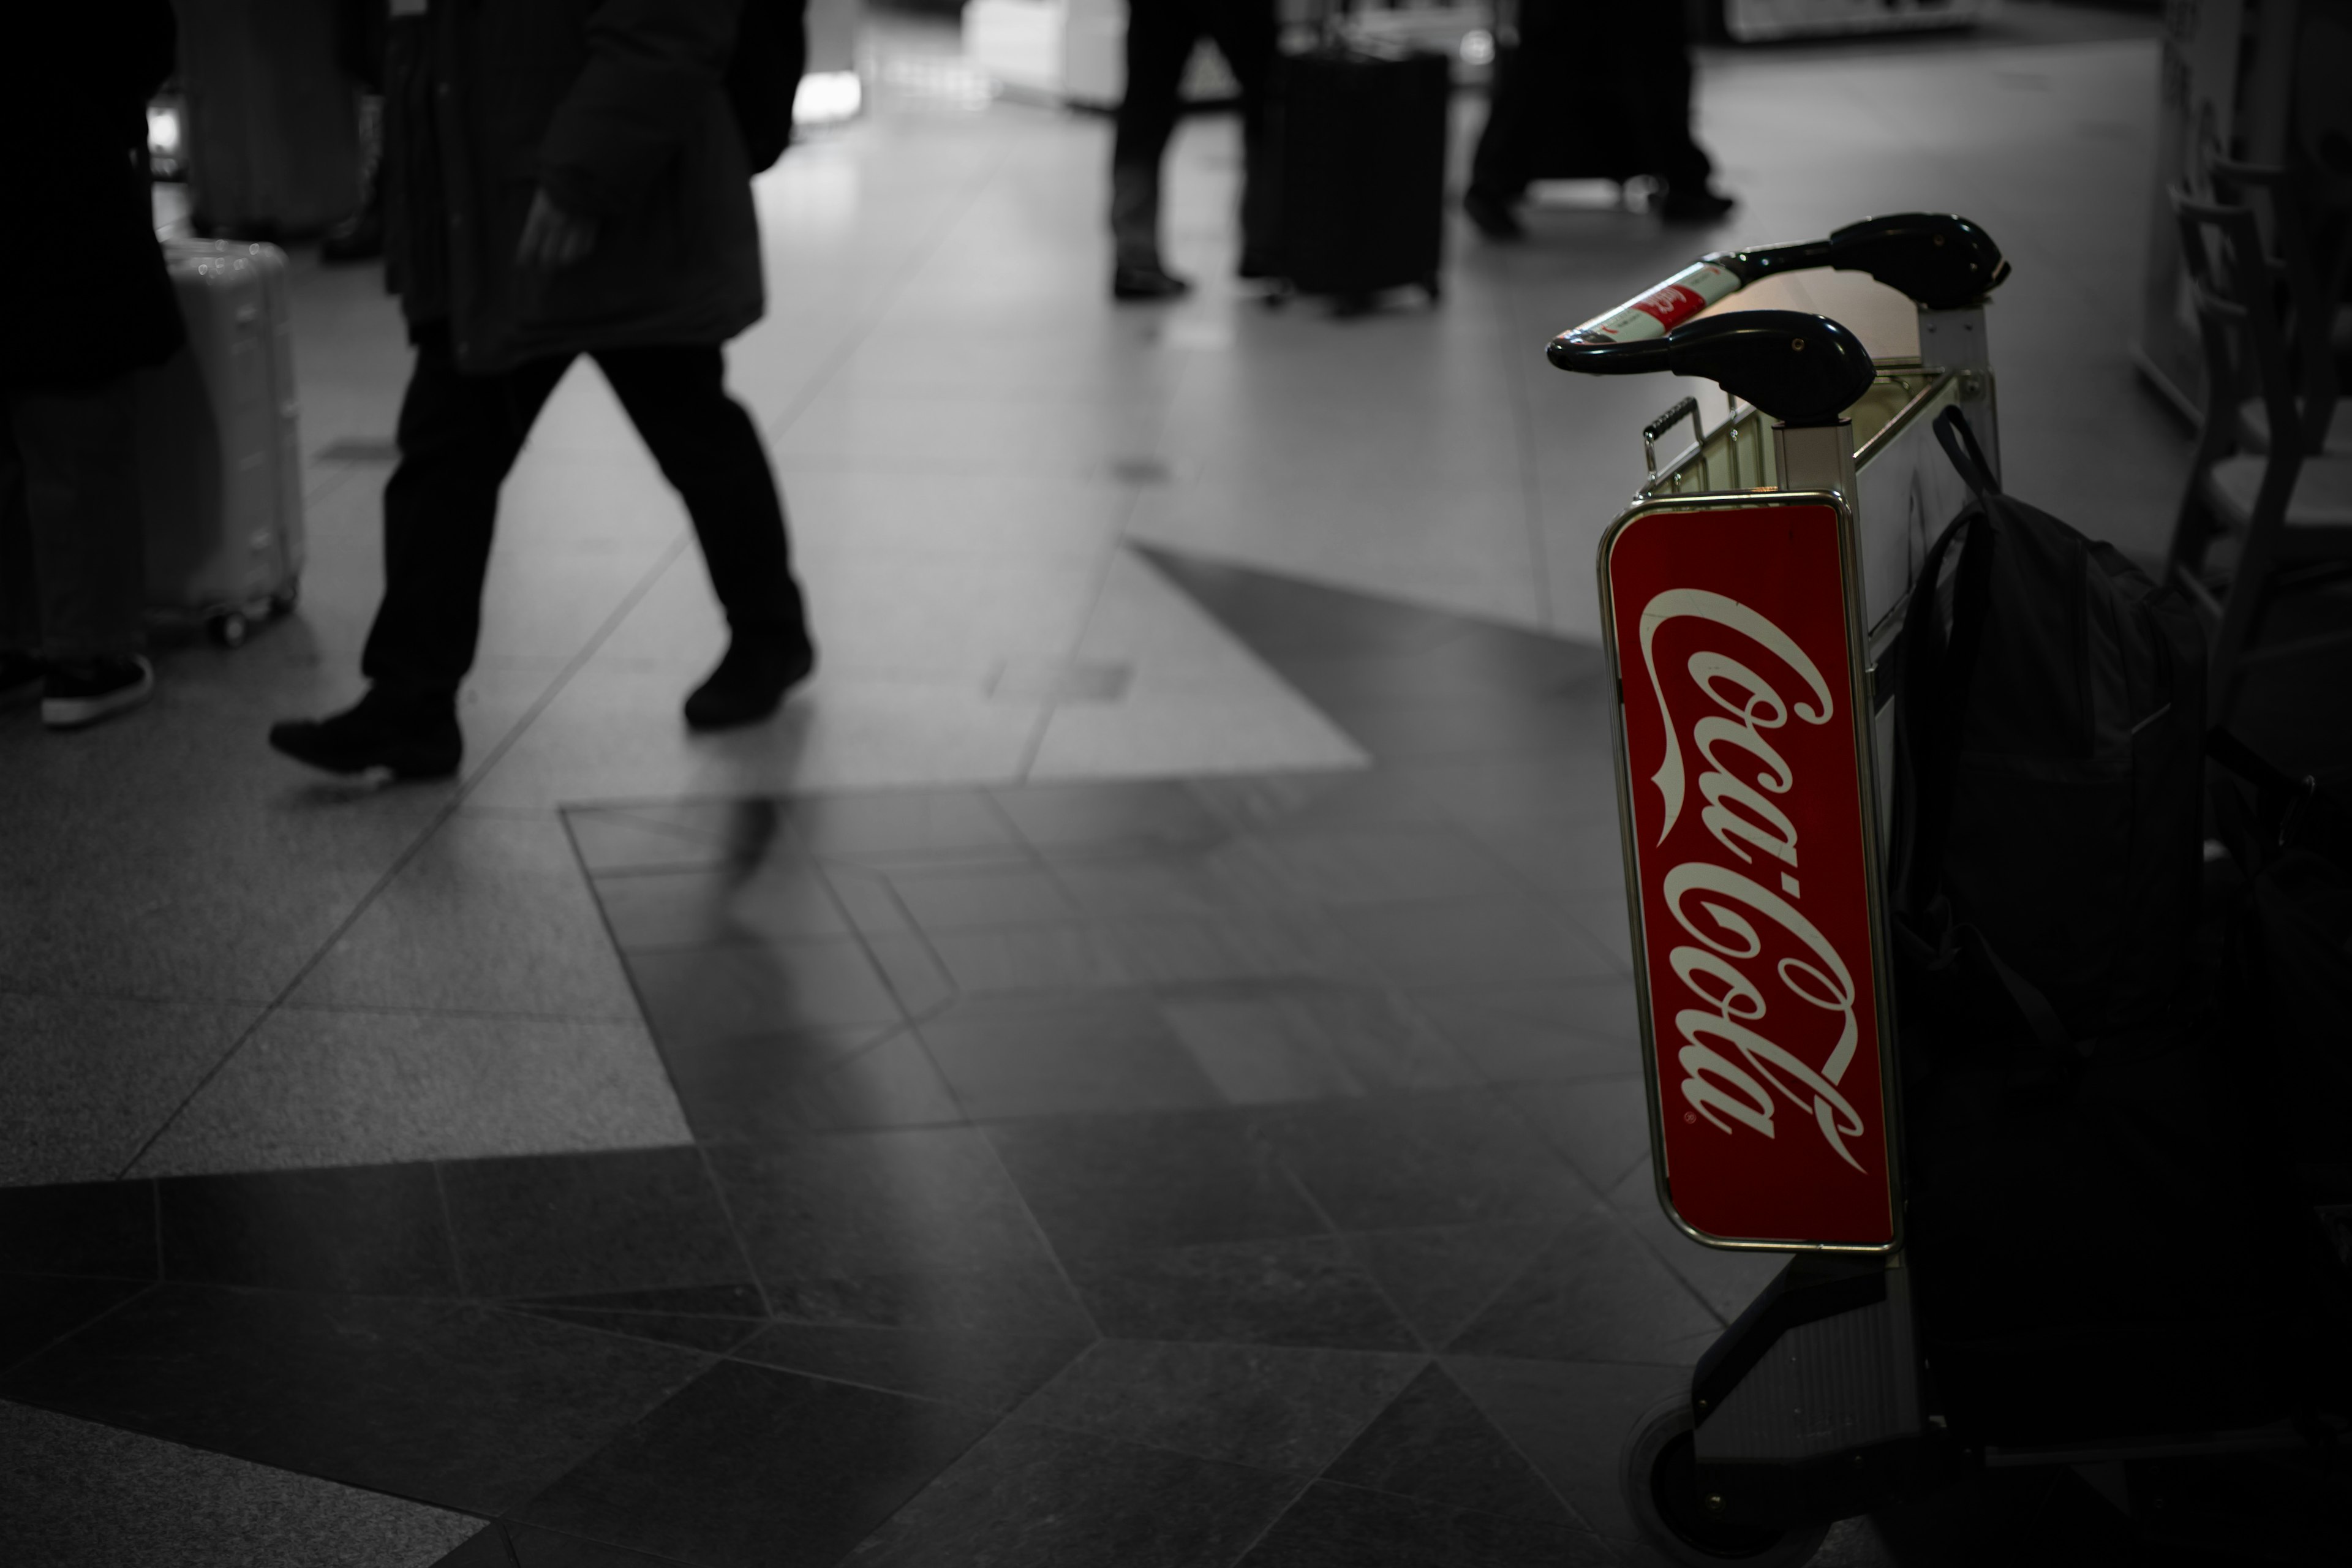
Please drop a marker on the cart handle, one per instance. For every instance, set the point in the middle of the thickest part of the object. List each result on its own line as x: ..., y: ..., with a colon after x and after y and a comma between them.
x: 1801, y: 369
x: 1940, y: 261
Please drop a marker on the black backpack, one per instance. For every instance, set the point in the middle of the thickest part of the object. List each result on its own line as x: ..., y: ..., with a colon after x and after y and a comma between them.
x: 2050, y: 754
x: 764, y: 75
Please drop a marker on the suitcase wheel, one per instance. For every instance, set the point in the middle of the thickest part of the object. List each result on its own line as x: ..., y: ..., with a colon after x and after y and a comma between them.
x: 1654, y: 1476
x: 229, y: 628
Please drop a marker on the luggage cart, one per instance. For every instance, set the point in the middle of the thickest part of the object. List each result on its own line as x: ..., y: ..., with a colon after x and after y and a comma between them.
x: 1752, y: 599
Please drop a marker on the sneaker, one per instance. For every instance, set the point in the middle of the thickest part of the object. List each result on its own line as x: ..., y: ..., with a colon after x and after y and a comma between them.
x: 749, y: 684
x: 1130, y: 283
x: 21, y: 675
x: 414, y: 738
x: 77, y: 692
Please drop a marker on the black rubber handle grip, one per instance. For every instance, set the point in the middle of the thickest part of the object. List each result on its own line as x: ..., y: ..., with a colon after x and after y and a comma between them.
x: 1940, y: 260
x: 1687, y: 408
x: 1801, y: 369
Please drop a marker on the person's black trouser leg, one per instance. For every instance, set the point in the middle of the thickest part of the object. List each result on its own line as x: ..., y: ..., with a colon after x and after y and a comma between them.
x: 73, y: 535
x: 711, y: 452
x: 458, y: 436
x: 1245, y: 34
x: 1160, y: 39
x: 1500, y: 168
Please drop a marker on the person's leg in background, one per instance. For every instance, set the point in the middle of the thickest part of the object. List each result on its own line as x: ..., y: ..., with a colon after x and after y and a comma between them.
x: 1662, y: 79
x: 1499, y: 168
x: 1245, y: 34
x: 459, y: 437
x: 73, y: 548
x: 711, y: 452
x: 1160, y: 39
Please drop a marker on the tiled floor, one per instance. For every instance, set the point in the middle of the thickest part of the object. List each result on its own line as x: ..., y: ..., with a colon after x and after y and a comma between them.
x: 1135, y: 1066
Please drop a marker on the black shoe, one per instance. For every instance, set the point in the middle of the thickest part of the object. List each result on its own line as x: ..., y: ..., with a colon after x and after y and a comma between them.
x: 22, y: 676
x: 415, y: 738
x: 1694, y: 206
x: 1493, y: 215
x: 77, y: 692
x: 1146, y: 283
x: 749, y: 684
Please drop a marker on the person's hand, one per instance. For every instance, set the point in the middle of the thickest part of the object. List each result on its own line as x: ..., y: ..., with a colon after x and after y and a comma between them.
x: 552, y: 238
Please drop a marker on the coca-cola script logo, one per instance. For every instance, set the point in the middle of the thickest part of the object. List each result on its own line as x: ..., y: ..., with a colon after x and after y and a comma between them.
x: 1744, y: 789
x: 1742, y: 771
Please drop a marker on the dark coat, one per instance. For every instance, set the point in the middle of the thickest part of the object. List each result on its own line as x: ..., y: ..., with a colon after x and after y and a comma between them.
x: 617, y: 108
x: 87, y: 299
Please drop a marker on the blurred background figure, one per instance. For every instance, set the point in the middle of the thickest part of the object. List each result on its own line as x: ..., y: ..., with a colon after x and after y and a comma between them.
x: 74, y: 87
x: 1160, y: 37
x: 1591, y: 89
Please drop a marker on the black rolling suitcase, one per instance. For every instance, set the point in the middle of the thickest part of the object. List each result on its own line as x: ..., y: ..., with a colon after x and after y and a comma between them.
x: 1361, y: 134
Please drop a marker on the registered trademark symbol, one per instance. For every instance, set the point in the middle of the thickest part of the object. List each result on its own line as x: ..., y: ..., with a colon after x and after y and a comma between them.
x: 1690, y: 1116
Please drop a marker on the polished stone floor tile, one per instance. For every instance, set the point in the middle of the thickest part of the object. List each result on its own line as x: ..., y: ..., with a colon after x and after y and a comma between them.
x: 1032, y: 1497
x: 1725, y: 1281
x: 1441, y: 1278
x: 1108, y: 1184
x: 1601, y: 1126
x: 507, y: 1544
x: 376, y: 1230
x: 1474, y: 941
x: 452, y: 1405
x: 1571, y: 1419
x: 39, y: 1310
x: 1335, y: 1526
x: 590, y: 1223
x: 949, y: 898
x: 886, y: 827
x: 1527, y: 1034
x: 1405, y: 1161
x: 767, y: 1087
x: 989, y: 1372
x: 1002, y: 958
x: 77, y: 1495
x: 713, y: 1333
x: 1235, y: 878
x: 1434, y: 1444
x: 752, y: 1467
x: 1343, y: 867
x: 725, y: 993
x: 1064, y: 1055
x: 1595, y: 1293
x: 1063, y: 819
x: 1278, y: 1409
x: 325, y: 1087
x: 616, y: 839
x: 1308, y: 1291
x: 80, y: 1227
x: 715, y: 906
x: 1272, y: 1043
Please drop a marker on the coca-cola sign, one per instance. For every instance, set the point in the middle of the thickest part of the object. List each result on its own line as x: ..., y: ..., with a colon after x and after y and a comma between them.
x: 1742, y: 778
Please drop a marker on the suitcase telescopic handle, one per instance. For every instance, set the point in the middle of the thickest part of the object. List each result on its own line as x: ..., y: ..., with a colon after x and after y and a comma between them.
x: 1940, y: 261
x: 1799, y: 368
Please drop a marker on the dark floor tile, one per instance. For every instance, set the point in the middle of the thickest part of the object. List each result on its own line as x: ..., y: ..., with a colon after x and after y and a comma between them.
x: 1105, y: 1184
x: 1514, y: 803
x: 1434, y: 1444
x: 1571, y: 1420
x: 749, y: 827
x: 569, y: 1225
x: 535, y: 1548
x: 375, y: 1229
x: 714, y: 1336
x: 1231, y: 947
x: 1309, y: 1292
x: 994, y: 1371
x: 1101, y: 815
x: 1442, y: 1278
x: 1601, y: 1126
x: 949, y: 898
x: 38, y: 1309
x: 1024, y: 1297
x: 707, y: 908
x: 1595, y: 1293
x: 1343, y: 867
x: 863, y: 892
x: 1031, y: 1496
x: 1539, y: 1033
x: 731, y: 1301
x: 1234, y: 880
x: 755, y: 1466
x: 1057, y: 1056
x: 1503, y: 940
x: 1280, y: 1042
x: 774, y: 1086
x: 1410, y: 1161
x: 881, y: 827
x: 1336, y: 1526
x: 1566, y: 723
x: 1286, y: 619
x: 609, y: 841
x: 990, y: 960
x: 79, y: 1227
x: 1725, y: 1281
x: 1278, y: 1409
x: 450, y: 1404
x: 1303, y: 801
x: 485, y: 1547
x: 726, y: 992
x: 912, y: 968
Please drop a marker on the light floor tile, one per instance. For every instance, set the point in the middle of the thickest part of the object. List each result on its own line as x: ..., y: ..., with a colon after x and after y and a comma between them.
x: 85, y: 1082
x: 314, y: 1088
x: 78, y: 1495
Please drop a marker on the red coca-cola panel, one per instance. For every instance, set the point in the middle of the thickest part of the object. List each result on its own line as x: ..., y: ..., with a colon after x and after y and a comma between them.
x: 1744, y: 780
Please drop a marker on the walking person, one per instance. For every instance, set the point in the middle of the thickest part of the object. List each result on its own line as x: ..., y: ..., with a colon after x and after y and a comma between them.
x: 562, y: 177
x: 1160, y: 37
x: 74, y: 86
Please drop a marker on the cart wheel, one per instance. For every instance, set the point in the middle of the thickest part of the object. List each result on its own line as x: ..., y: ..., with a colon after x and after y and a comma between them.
x: 228, y: 629
x: 1655, y: 1476
x: 281, y: 603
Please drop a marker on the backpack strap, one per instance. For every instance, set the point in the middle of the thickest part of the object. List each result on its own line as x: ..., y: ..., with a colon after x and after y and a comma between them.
x: 1934, y: 675
x: 1959, y: 444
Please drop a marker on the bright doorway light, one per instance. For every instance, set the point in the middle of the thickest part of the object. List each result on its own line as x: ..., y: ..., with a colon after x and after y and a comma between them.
x: 827, y: 96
